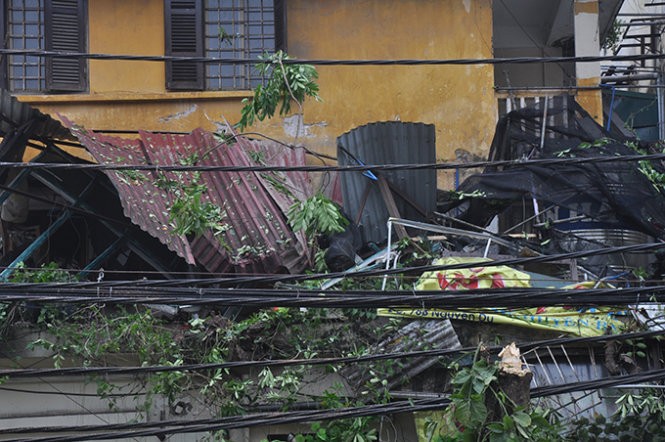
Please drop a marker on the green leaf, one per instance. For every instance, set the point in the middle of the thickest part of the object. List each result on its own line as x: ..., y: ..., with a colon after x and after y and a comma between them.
x: 470, y: 413
x: 521, y: 418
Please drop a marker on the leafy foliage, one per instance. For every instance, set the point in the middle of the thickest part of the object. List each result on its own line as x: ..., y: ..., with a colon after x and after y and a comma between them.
x: 12, y: 312
x: 97, y: 335
x: 656, y: 178
x: 189, y: 213
x: 637, y: 415
x: 285, y: 83
x: 316, y: 215
x: 343, y: 430
x: 469, y: 418
x: 50, y: 272
x: 614, y: 37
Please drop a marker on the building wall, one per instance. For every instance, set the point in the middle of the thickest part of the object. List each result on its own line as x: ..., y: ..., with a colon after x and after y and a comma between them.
x: 459, y: 100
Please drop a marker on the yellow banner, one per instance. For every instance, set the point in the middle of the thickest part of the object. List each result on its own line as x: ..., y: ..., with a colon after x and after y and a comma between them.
x: 577, y: 321
x: 592, y: 322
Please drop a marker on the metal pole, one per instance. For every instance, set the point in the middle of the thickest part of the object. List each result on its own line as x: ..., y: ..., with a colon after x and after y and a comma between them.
x: 661, y: 112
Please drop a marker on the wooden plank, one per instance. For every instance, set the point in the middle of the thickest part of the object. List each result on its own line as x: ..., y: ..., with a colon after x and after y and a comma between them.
x: 391, y: 206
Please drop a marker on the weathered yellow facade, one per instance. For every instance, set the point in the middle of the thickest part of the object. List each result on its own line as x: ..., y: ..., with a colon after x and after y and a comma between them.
x: 459, y: 100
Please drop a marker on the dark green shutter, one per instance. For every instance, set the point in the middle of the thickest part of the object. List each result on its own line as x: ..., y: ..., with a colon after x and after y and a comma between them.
x: 184, y: 38
x: 65, y: 25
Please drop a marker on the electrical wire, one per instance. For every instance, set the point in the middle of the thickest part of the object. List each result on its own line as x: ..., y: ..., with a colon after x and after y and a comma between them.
x: 271, y: 278
x: 108, y: 371
x: 551, y: 162
x: 467, y: 300
x: 161, y: 428
x: 242, y: 421
x: 333, y: 62
x: 71, y: 393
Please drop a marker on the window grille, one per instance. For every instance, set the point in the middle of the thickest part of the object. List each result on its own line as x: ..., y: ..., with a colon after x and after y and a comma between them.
x: 237, y: 29
x: 25, y: 30
x: 50, y: 25
x: 232, y: 29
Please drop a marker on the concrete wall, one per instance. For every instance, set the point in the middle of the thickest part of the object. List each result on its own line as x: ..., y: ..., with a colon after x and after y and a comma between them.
x: 459, y: 100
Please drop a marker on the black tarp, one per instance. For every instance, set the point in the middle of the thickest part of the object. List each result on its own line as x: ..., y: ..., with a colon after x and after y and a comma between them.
x: 615, y: 194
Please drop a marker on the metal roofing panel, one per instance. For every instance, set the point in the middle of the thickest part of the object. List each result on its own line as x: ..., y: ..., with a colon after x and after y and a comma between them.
x: 15, y: 114
x: 414, y: 336
x: 259, y: 239
x: 143, y: 202
x: 391, y: 142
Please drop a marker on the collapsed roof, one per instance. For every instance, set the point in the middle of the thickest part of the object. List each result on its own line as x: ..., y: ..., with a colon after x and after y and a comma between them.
x: 254, y: 203
x: 121, y: 215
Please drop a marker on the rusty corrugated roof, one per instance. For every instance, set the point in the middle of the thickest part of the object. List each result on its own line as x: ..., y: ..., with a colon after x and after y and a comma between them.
x: 259, y: 239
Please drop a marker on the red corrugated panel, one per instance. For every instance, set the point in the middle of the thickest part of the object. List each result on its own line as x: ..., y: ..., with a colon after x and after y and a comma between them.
x: 259, y: 239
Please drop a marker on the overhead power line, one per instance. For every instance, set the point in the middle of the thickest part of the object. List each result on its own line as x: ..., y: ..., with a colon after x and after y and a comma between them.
x: 524, y: 347
x: 197, y: 286
x: 106, y: 432
x: 420, y: 300
x: 350, y: 168
x: 161, y: 428
x: 334, y: 62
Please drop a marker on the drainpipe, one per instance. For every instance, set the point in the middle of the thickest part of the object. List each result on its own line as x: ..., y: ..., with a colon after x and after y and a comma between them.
x: 659, y: 96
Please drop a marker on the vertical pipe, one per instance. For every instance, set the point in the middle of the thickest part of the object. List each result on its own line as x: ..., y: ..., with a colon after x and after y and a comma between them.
x: 661, y: 111
x: 388, y: 248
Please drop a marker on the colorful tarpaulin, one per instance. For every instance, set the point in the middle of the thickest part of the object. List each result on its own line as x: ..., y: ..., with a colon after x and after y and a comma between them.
x: 573, y: 320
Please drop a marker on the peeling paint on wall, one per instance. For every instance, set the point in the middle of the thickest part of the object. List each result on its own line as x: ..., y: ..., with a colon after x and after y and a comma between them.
x: 295, y: 127
x: 467, y: 6
x: 178, y: 115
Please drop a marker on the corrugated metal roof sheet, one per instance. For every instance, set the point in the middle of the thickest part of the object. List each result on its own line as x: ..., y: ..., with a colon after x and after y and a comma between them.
x: 390, y: 142
x: 416, y: 335
x: 259, y: 239
x: 15, y: 114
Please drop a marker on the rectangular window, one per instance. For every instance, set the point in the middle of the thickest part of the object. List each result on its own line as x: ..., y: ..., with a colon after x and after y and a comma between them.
x: 50, y: 25
x: 25, y: 30
x: 230, y: 29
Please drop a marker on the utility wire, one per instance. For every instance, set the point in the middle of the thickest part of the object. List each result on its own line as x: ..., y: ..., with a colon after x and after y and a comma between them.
x: 237, y: 280
x: 108, y: 371
x: 551, y: 162
x: 243, y: 421
x: 503, y: 300
x: 332, y: 62
x: 161, y: 428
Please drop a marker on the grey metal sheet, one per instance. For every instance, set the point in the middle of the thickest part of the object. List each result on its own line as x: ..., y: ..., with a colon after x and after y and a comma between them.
x: 381, y: 143
x: 13, y: 114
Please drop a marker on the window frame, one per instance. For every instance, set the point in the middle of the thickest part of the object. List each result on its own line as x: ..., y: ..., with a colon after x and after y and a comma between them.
x: 194, y: 45
x: 64, y: 28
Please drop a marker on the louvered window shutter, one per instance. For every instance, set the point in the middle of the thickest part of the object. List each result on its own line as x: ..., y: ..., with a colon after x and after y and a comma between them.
x: 184, y: 38
x: 65, y: 25
x: 280, y: 25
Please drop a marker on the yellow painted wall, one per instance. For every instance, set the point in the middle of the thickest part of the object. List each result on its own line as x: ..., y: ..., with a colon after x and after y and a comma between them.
x: 459, y: 100
x: 129, y: 27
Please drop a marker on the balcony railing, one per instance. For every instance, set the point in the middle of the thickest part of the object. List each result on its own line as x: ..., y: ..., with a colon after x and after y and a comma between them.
x: 554, y: 99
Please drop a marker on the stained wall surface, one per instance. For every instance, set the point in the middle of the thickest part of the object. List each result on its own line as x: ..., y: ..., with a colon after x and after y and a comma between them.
x: 458, y: 100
